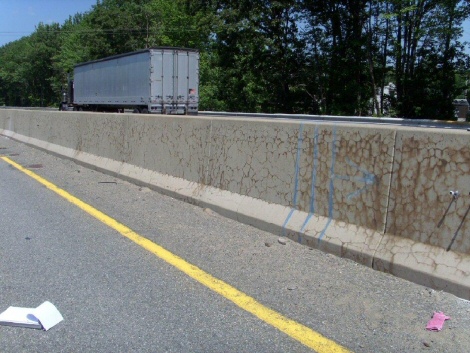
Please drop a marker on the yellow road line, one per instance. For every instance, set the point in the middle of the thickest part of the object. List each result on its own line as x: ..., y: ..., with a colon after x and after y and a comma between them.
x: 297, y: 331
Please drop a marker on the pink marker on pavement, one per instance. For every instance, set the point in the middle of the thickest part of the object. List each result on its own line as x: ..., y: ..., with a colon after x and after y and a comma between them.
x: 437, y: 321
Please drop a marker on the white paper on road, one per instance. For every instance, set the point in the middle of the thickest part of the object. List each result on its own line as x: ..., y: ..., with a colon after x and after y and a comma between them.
x: 23, y: 317
x: 44, y: 316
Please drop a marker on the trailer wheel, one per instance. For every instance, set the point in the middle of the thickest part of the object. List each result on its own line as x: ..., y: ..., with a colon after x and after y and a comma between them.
x: 145, y: 111
x: 136, y: 111
x: 80, y: 109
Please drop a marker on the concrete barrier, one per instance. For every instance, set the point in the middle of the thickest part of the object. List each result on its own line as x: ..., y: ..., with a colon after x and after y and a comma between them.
x: 375, y: 194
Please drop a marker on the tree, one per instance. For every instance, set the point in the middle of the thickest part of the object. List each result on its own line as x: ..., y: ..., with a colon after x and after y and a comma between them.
x: 27, y: 71
x: 338, y: 43
x: 289, y: 56
x: 426, y: 52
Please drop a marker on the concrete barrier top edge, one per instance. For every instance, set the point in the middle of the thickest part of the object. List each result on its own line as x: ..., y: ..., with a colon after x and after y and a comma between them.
x: 343, y: 122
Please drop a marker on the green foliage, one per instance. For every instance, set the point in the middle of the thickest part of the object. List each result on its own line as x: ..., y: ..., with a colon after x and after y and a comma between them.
x: 27, y: 70
x: 289, y: 56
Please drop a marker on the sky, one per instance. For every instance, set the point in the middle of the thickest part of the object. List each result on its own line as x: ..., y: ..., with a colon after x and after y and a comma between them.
x: 18, y: 18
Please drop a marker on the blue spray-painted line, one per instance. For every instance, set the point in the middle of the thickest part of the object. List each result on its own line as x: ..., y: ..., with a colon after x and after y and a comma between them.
x: 297, y: 164
x: 332, y: 185
x: 296, y: 179
x: 286, y: 222
x: 367, y: 179
x: 305, y: 225
x: 311, y: 210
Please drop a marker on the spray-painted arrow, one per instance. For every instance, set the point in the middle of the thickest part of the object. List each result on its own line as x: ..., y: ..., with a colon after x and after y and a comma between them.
x: 367, y: 178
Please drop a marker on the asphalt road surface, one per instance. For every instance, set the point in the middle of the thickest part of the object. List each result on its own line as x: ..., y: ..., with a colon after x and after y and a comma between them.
x: 116, y: 296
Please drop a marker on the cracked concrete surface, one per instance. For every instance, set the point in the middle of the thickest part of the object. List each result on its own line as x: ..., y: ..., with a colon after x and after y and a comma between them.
x: 376, y: 194
x: 427, y: 167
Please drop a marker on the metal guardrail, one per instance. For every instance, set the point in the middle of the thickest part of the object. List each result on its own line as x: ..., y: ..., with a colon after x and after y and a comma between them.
x: 29, y: 108
x: 461, y: 125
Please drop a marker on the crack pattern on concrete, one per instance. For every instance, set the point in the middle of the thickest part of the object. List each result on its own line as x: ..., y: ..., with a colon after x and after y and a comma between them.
x: 377, y: 195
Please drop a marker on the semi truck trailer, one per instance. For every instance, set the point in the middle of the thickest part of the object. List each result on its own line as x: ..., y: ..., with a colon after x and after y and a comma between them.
x: 159, y: 80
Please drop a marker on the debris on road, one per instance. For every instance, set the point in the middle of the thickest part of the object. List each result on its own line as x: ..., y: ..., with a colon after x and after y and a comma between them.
x: 282, y: 241
x: 45, y: 316
x: 437, y: 321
